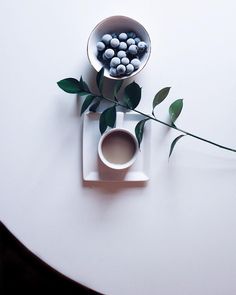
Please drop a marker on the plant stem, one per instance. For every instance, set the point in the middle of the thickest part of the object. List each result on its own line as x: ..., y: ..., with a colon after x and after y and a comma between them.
x: 169, y: 125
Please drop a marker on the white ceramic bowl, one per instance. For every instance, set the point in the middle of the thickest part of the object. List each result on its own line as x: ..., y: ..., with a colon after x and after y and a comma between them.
x: 118, y: 24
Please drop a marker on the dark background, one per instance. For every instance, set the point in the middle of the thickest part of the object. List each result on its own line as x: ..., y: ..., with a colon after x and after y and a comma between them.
x: 22, y: 271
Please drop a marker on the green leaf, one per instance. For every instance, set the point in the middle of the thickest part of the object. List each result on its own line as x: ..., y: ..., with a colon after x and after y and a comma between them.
x: 159, y: 97
x: 139, y: 128
x: 102, y: 123
x: 70, y: 85
x: 132, y: 95
x: 107, y: 119
x: 100, y: 79
x: 83, y: 85
x: 94, y: 106
x: 174, y: 143
x: 85, y: 89
x: 111, y: 116
x: 117, y: 87
x: 175, y: 109
x: 88, y: 100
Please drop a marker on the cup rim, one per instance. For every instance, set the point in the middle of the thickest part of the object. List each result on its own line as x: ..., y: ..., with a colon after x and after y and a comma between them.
x: 114, y: 165
x: 135, y: 72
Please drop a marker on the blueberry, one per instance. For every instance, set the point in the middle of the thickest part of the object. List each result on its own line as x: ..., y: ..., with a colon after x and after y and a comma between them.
x: 104, y: 57
x: 121, y: 54
x: 123, y: 46
x: 142, y: 46
x: 130, y: 41
x: 115, y: 62
x: 131, y: 35
x: 113, y: 71
x: 114, y: 42
x: 123, y: 36
x: 109, y: 53
x: 136, y: 63
x: 106, y: 38
x: 100, y: 46
x: 137, y: 40
x: 114, y: 35
x: 129, y: 69
x: 121, y: 69
x: 125, y: 61
x: 133, y: 49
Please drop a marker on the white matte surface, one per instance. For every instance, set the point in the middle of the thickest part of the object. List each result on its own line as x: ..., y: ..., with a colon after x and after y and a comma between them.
x: 173, y: 236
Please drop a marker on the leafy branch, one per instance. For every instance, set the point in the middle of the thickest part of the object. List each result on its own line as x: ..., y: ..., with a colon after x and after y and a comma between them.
x: 131, y: 99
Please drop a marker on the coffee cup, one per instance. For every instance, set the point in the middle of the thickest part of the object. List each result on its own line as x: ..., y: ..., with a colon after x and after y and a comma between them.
x: 118, y: 147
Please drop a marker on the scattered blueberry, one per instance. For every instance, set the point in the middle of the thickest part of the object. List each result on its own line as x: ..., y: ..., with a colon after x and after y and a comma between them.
x: 104, y: 57
x: 136, y: 63
x: 131, y: 35
x: 121, y: 69
x: 109, y: 53
x: 129, y: 69
x: 123, y: 46
x: 123, y: 36
x: 113, y: 71
x: 106, y: 38
x: 114, y: 42
x: 142, y: 46
x: 133, y: 49
x: 130, y: 41
x: 121, y: 54
x: 100, y: 46
x: 115, y: 62
x: 125, y: 61
x: 137, y: 40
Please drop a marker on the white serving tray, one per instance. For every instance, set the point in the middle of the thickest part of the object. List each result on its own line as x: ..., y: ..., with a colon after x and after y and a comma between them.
x: 94, y: 169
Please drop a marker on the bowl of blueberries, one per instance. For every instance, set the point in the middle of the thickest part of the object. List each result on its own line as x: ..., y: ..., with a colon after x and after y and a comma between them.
x: 119, y: 44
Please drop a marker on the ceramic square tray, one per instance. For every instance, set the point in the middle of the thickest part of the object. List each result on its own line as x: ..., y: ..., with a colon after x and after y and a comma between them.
x: 94, y: 169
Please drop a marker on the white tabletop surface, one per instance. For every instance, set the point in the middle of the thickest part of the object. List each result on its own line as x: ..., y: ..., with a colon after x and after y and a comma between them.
x: 174, y: 235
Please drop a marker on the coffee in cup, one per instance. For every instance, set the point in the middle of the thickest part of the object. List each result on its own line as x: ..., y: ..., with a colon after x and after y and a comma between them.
x: 118, y: 148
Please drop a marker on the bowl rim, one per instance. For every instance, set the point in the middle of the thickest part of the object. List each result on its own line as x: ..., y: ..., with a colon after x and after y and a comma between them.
x: 135, y: 72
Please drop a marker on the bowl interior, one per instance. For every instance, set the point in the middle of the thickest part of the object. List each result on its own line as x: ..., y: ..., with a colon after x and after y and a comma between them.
x: 117, y: 24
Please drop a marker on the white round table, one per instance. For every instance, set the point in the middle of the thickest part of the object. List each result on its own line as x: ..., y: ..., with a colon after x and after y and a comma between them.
x: 175, y: 234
